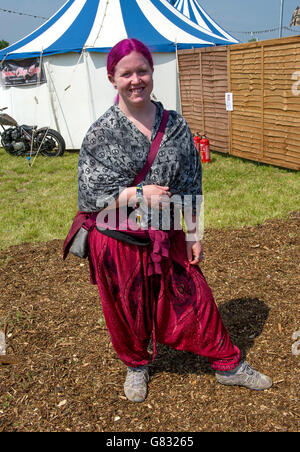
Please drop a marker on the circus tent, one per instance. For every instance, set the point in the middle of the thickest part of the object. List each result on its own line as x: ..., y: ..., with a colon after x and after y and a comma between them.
x: 193, y: 10
x: 72, y: 47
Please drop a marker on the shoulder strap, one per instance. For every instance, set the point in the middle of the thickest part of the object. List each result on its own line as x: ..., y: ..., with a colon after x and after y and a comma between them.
x: 153, y: 149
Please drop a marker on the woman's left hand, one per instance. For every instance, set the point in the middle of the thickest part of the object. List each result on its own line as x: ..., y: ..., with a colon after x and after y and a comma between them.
x: 194, y: 250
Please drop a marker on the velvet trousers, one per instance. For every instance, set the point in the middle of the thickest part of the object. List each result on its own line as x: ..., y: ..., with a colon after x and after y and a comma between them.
x: 175, y: 308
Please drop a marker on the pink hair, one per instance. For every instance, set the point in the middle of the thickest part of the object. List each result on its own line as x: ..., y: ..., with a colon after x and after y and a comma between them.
x: 123, y: 48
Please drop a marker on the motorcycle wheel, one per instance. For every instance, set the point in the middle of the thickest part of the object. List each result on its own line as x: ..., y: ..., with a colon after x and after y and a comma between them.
x: 53, y: 144
x: 9, y: 149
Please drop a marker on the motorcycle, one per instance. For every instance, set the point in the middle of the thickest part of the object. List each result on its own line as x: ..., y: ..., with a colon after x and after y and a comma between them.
x: 29, y: 140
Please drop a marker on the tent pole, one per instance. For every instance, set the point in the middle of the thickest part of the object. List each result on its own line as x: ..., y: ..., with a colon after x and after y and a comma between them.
x: 280, y: 19
x: 178, y: 78
x: 61, y: 109
x: 51, y: 97
x: 36, y: 98
x: 73, y: 72
x: 90, y: 89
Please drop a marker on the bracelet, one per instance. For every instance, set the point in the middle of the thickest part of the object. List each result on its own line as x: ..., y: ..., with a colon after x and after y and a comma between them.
x: 139, y: 193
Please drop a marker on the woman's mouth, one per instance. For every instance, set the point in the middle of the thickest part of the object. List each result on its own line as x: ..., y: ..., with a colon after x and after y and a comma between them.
x: 136, y: 90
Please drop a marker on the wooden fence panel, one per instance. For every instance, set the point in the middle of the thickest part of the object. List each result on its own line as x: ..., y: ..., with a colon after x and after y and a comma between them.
x: 246, y: 75
x: 191, y: 90
x: 203, y: 84
x: 264, y: 78
x: 265, y: 123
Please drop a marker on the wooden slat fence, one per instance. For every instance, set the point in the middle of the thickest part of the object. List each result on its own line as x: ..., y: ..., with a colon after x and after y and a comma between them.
x: 264, y: 78
x: 203, y: 83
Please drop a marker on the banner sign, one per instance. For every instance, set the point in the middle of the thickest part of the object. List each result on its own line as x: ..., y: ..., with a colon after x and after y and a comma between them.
x: 22, y: 72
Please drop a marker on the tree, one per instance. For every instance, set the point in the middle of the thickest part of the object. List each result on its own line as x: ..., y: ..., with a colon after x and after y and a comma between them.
x: 3, y: 44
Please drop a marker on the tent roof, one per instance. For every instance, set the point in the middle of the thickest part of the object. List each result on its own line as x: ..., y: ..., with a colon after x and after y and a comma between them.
x: 97, y: 25
x: 193, y: 10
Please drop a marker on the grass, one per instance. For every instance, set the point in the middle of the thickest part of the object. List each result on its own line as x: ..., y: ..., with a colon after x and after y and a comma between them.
x: 241, y: 193
x: 38, y: 203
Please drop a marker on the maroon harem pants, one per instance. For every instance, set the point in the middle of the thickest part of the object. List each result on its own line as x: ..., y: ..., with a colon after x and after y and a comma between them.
x: 177, y: 307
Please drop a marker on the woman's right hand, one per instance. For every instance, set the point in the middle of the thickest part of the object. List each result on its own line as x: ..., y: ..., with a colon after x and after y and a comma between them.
x: 156, y: 196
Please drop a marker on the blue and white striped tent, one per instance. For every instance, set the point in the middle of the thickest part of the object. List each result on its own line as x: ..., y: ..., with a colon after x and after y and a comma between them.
x: 74, y: 43
x: 96, y: 25
x: 193, y: 10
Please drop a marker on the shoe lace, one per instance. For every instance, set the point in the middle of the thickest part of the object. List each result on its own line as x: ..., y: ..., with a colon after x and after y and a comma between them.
x: 251, y: 375
x: 248, y: 369
x: 137, y: 377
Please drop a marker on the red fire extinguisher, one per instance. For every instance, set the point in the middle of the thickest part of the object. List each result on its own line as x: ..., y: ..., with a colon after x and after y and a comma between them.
x: 197, y: 142
x: 204, y: 150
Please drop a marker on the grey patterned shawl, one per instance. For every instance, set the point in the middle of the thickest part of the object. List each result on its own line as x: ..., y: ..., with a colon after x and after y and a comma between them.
x: 114, y: 151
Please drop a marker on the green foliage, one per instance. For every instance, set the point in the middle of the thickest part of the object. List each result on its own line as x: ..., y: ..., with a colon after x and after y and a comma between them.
x: 3, y: 44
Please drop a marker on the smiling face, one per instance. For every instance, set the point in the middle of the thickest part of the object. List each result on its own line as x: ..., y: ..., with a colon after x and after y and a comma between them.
x: 133, y: 80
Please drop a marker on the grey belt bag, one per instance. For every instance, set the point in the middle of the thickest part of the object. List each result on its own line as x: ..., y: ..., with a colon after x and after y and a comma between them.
x: 79, y: 245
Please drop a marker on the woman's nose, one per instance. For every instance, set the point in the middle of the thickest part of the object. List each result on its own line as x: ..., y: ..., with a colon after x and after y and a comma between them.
x: 135, y: 79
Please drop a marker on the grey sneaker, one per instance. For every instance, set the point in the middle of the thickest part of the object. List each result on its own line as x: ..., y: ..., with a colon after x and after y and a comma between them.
x: 136, y: 383
x: 244, y: 375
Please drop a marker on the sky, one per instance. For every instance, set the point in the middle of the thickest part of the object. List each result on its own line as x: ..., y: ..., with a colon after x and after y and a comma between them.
x: 235, y: 16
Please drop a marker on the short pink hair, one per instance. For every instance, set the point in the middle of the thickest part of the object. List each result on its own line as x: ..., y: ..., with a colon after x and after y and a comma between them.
x: 123, y: 48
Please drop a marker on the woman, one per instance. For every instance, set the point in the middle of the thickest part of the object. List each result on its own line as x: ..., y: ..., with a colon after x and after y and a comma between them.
x: 148, y: 277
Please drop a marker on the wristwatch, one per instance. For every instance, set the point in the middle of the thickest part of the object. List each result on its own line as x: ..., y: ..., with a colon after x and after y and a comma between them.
x: 139, y: 193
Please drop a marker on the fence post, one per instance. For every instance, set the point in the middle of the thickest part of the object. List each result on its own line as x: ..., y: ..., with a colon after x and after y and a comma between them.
x: 202, y: 92
x: 229, y: 90
x: 262, y: 56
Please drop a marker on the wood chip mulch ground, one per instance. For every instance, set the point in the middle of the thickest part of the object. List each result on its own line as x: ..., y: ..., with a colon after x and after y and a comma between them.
x: 60, y: 372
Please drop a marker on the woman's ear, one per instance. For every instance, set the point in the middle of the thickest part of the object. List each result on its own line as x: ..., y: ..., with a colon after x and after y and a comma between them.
x: 111, y: 79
